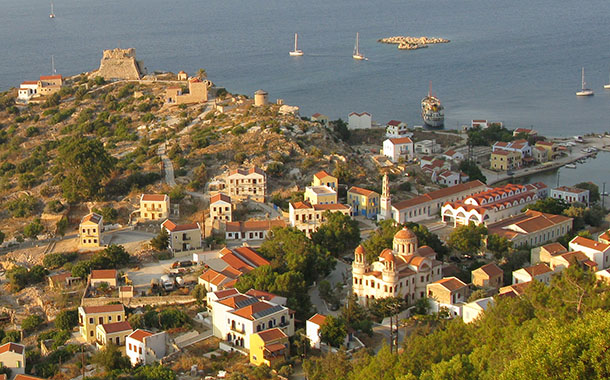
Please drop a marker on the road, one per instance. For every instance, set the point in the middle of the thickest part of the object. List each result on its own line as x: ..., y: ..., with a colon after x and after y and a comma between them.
x: 342, y: 270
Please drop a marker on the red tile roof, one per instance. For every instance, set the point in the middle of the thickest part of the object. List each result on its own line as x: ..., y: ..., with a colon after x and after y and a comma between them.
x: 401, y: 140
x: 251, y: 255
x: 588, y: 243
x: 272, y: 335
x: 115, y: 327
x: 100, y: 274
x: 154, y: 197
x: 568, y: 189
x: 491, y: 270
x: 50, y: 77
x: 139, y: 335
x: 445, y: 192
x: 554, y: 248
x: 361, y: 191
x: 248, y: 311
x: 92, y: 217
x: 220, y: 197
x: 394, y: 123
x: 225, y: 293
x: 452, y: 283
x: 103, y: 309
x: 12, y: 347
x: 321, y: 174
x: 318, y: 319
x: 173, y: 227
x: 266, y: 296
x: 537, y: 270
x: 332, y: 206
x: 27, y: 377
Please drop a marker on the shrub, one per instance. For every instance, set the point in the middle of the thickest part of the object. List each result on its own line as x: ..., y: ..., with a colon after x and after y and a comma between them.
x: 58, y: 259
x: 33, y: 229
x: 31, y: 323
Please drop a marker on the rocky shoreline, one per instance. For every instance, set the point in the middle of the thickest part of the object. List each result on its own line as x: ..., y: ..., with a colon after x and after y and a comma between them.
x: 412, y: 43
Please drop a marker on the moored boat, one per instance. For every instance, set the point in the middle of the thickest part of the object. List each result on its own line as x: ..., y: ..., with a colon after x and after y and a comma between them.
x: 432, y: 111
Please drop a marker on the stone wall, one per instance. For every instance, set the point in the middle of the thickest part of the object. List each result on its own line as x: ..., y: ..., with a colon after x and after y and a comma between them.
x: 119, y: 64
x: 138, y: 301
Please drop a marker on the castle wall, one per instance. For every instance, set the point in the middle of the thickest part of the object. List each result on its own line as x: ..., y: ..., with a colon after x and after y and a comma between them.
x: 119, y: 64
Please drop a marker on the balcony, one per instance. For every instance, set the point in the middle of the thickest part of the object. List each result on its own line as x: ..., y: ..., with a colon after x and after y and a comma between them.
x: 238, y: 330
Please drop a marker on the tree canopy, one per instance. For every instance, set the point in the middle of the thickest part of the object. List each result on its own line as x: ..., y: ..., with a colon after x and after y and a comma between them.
x: 467, y: 238
x: 594, y: 195
x: 338, y: 234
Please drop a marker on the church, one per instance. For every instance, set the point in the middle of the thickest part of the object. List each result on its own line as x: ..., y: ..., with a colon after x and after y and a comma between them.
x: 403, y: 271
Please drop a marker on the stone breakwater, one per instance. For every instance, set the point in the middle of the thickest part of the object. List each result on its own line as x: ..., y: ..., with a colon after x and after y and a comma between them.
x: 412, y: 43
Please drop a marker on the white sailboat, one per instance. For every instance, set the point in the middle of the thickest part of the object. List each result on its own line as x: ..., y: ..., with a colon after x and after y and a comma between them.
x: 296, y: 52
x: 584, y: 91
x: 607, y: 86
x: 52, y: 14
x: 357, y: 55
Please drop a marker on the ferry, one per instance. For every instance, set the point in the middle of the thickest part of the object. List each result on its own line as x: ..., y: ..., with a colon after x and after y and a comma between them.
x: 432, y: 111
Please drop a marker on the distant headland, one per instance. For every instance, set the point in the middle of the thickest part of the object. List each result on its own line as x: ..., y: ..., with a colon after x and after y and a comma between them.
x: 412, y: 43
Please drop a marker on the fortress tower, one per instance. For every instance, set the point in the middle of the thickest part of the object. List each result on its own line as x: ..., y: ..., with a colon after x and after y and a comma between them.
x: 119, y: 64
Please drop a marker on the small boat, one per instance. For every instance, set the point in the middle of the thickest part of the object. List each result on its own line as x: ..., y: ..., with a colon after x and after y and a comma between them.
x: 357, y: 55
x: 607, y: 86
x: 52, y: 14
x: 584, y: 91
x: 570, y: 166
x: 296, y: 52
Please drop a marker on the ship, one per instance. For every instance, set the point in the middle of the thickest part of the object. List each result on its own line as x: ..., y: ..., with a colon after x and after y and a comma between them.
x: 432, y: 111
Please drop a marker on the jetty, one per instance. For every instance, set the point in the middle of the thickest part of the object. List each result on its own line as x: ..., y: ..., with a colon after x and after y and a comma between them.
x: 412, y: 43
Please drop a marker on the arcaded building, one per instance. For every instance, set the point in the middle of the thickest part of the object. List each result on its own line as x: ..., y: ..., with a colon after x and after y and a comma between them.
x: 403, y: 271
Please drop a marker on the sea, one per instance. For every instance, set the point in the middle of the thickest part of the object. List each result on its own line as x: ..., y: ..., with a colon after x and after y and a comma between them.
x: 518, y: 61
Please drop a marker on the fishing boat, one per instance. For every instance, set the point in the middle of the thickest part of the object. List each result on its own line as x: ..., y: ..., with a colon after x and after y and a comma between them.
x: 584, y: 91
x: 607, y: 86
x: 357, y: 55
x: 52, y: 14
x: 296, y: 52
x: 570, y: 166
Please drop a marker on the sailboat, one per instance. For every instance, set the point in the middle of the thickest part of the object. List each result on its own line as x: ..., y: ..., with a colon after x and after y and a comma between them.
x: 296, y: 52
x: 357, y: 55
x: 584, y: 91
x: 52, y: 15
x: 607, y: 86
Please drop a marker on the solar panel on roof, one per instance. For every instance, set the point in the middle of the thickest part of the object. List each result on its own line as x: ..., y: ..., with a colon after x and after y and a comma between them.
x: 246, y: 302
x: 266, y: 312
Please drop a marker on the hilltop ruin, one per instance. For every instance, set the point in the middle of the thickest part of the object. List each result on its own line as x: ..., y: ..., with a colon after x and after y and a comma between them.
x: 120, y: 64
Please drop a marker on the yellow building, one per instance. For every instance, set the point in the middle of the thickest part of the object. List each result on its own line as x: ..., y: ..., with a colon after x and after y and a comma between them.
x: 320, y: 195
x: 115, y: 333
x: 551, y: 148
x: 198, y: 93
x: 364, y: 202
x: 322, y: 178
x: 154, y: 207
x: 183, y: 237
x: 269, y: 347
x: 504, y: 160
x: 89, y: 317
x: 90, y: 230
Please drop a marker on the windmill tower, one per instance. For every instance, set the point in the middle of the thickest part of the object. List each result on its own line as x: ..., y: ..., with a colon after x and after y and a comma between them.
x: 386, y: 200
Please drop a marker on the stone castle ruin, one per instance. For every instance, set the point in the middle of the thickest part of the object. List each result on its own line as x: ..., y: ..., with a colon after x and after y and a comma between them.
x: 120, y: 64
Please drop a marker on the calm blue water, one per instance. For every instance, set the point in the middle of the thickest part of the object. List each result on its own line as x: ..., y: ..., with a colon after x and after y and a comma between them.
x: 516, y: 61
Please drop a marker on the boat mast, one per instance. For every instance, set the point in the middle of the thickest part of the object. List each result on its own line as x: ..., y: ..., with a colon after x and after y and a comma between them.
x: 583, y: 78
x: 356, y: 48
x: 296, y: 39
x: 430, y: 89
x: 53, y: 65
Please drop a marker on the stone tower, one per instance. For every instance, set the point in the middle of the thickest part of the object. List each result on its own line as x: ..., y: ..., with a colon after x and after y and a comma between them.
x: 386, y: 200
x: 405, y: 242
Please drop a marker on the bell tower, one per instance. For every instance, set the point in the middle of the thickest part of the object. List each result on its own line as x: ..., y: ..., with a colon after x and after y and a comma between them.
x: 386, y: 200
x: 359, y: 266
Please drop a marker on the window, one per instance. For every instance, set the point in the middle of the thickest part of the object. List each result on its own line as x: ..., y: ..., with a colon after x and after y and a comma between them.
x: 118, y: 318
x: 110, y: 318
x: 90, y: 320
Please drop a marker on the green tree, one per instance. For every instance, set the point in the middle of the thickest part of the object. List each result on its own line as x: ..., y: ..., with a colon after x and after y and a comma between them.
x: 202, y: 74
x: 199, y: 292
x: 340, y: 128
x: 161, y: 241
x: 66, y: 319
x: 380, y: 239
x: 33, y: 229
x: 18, y: 277
x: 155, y: 372
x: 343, y: 172
x: 548, y: 205
x: 110, y: 358
x: 334, y: 365
x: 472, y: 170
x: 81, y: 269
x: 333, y: 331
x: 387, y: 306
x: 31, y: 323
x: 594, y: 195
x: 356, y: 316
x: 338, y: 233
x: 116, y: 255
x: 467, y: 238
x: 499, y: 245
x: 425, y: 237
x: 477, y: 294
x: 85, y: 165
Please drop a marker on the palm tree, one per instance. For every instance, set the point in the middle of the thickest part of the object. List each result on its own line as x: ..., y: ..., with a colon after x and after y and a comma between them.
x: 202, y: 74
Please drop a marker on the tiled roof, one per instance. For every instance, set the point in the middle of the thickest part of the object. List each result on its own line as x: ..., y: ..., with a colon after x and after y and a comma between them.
x: 360, y: 114
x: 12, y: 347
x: 274, y: 347
x: 301, y: 205
x: 50, y: 77
x: 272, y: 335
x: 103, y: 309
x: 321, y: 174
x: 361, y: 191
x: 220, y: 197
x: 394, y: 123
x: 140, y: 334
x: 249, y: 311
x: 225, y: 293
x: 491, y: 270
x: 111, y: 328
x: 331, y: 206
x: 234, y: 300
x: 173, y: 227
x: 588, y: 243
x: 154, y: 197
x: 445, y: 192
x: 568, y: 189
x: 245, y: 172
x: 452, y: 283
x: 318, y: 319
x: 554, y: 248
x: 98, y: 274
x: 251, y: 255
x: 537, y: 270
x: 126, y: 289
x: 401, y: 140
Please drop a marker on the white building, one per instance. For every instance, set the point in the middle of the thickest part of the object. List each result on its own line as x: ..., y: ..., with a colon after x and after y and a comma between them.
x: 449, y: 178
x: 396, y: 129
x: 144, y: 347
x: 359, y: 120
x: 427, y: 206
x: 247, y: 184
x: 12, y: 356
x: 489, y: 206
x: 519, y: 146
x: 308, y: 218
x: 251, y: 230
x: 539, y: 272
x: 221, y: 208
x: 448, y: 293
x: 236, y: 316
x: 427, y: 147
x: 531, y: 228
x: 473, y: 310
x: 595, y: 251
x: 571, y: 194
x: 312, y: 329
x: 403, y: 271
x: 452, y: 155
x: 398, y: 148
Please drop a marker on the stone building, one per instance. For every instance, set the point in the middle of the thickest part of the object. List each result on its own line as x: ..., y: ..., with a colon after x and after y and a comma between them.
x: 403, y: 271
x: 198, y: 93
x: 120, y: 64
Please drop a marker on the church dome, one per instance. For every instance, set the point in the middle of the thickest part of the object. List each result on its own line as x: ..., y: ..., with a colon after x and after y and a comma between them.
x: 405, y: 233
x: 359, y: 249
x: 387, y: 255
